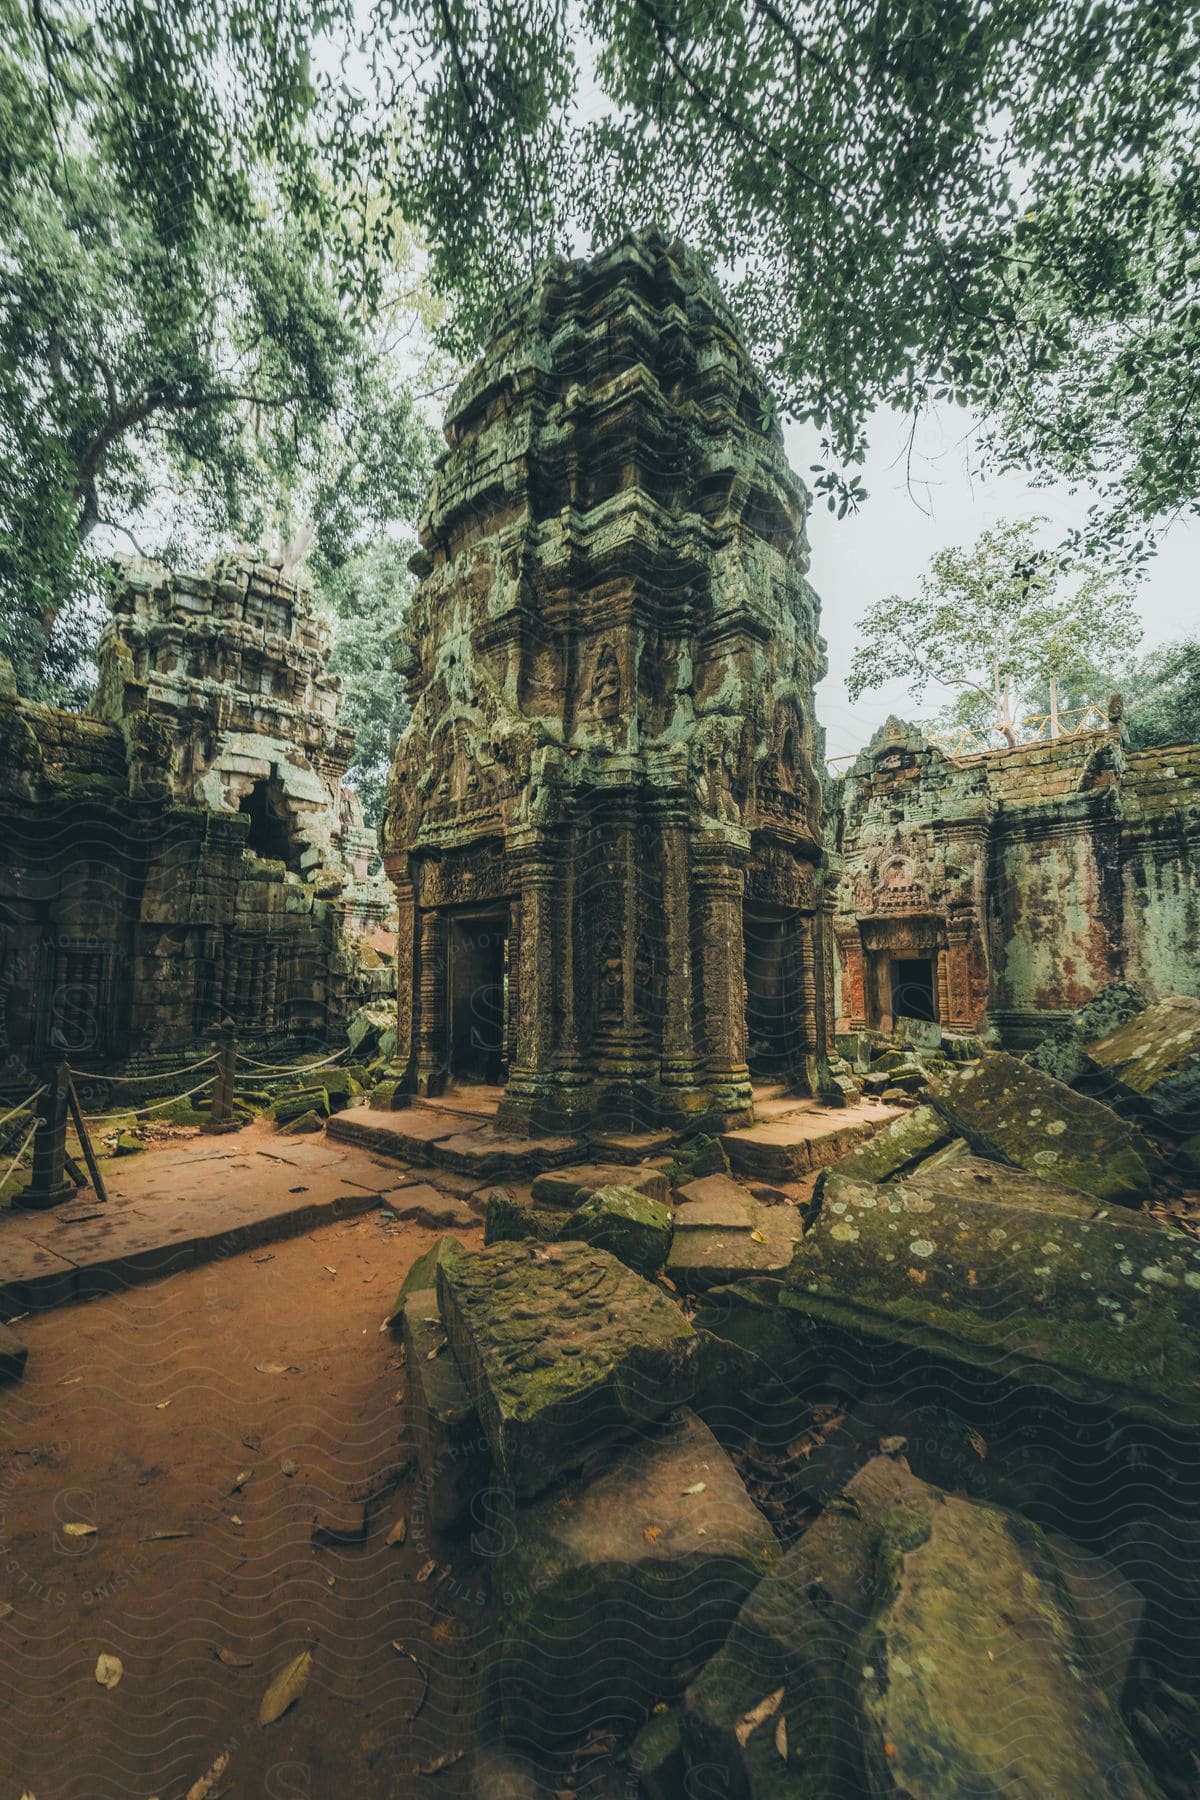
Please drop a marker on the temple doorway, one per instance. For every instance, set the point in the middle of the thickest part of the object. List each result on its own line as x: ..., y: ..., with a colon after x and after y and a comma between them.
x: 772, y: 997
x: 478, y: 996
x: 914, y: 993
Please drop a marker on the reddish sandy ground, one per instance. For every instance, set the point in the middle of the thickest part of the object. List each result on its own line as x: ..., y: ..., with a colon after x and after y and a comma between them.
x: 138, y: 1414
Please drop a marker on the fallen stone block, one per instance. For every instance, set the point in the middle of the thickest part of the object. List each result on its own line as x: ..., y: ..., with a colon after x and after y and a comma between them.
x: 293, y: 1106
x: 614, y: 1591
x: 1149, y: 1067
x: 569, y: 1187
x: 967, y: 1177
x: 1009, y: 1111
x: 703, y: 1256
x: 635, y: 1228
x: 428, y: 1206
x: 13, y: 1355
x: 441, y: 1419
x: 857, y: 1666
x: 563, y: 1350
x: 1099, y: 1309
x: 715, y: 1202
x: 302, y: 1124
x: 1060, y: 1052
x: 901, y: 1142
x: 510, y: 1219
x: 422, y: 1274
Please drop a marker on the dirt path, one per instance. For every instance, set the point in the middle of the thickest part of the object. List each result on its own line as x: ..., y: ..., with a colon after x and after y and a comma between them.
x: 138, y: 1414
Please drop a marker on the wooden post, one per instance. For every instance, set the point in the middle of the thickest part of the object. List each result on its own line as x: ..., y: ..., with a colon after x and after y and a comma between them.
x: 85, y: 1142
x: 48, y: 1183
x: 221, y: 1111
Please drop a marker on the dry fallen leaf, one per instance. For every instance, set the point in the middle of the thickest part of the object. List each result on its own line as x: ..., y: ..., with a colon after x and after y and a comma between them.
x: 781, y: 1737
x: 697, y: 1487
x: 200, y: 1790
x: 750, y: 1721
x: 271, y: 1368
x: 233, y: 1519
x: 439, y: 1763
x: 5, y: 1609
x: 436, y: 1351
x: 159, y: 1537
x: 403, y: 1650
x: 77, y: 1529
x: 240, y: 1480
x: 233, y: 1662
x: 652, y: 1533
x: 288, y: 1467
x: 757, y: 1237
x: 398, y: 1533
x: 426, y: 1570
x: 109, y: 1669
x: 161, y: 1405
x: 286, y: 1688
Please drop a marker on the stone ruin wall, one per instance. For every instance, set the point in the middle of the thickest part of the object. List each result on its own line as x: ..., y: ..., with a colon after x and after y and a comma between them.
x: 1030, y: 878
x: 612, y: 756
x: 187, y: 852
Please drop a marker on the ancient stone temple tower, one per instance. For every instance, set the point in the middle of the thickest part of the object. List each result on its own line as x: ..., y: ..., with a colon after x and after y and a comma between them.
x: 604, y: 819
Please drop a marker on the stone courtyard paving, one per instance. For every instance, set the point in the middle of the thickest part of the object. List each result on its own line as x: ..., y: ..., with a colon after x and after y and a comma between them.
x: 204, y: 1425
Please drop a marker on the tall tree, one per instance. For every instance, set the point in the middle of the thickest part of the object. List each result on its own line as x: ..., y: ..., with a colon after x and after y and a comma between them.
x: 368, y: 596
x: 989, y: 202
x: 178, y: 337
x: 992, y: 623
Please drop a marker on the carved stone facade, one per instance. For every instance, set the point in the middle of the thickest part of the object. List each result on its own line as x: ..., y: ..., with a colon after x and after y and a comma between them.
x: 1003, y: 890
x: 605, y: 813
x: 187, y: 852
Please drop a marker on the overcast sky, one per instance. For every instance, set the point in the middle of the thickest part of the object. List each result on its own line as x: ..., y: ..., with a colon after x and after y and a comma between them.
x: 888, y: 545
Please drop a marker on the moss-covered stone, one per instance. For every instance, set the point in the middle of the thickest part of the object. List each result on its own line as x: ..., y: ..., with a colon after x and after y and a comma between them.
x: 704, y: 1255
x: 510, y: 1219
x: 569, y: 1187
x: 612, y: 1592
x: 1061, y: 1052
x: 440, y: 1418
x: 291, y: 1106
x: 966, y: 1177
x: 860, y: 1667
x: 306, y: 1122
x: 127, y: 1144
x: 1008, y: 1110
x: 422, y: 1274
x: 901, y: 1142
x: 1150, y: 1066
x: 1098, y: 1308
x: 634, y: 1227
x: 564, y: 1349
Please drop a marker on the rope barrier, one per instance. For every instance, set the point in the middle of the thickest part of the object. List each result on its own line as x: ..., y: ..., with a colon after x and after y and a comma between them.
x: 290, y: 1068
x: 20, y: 1153
x: 137, y: 1112
x: 162, y: 1075
x: 21, y: 1108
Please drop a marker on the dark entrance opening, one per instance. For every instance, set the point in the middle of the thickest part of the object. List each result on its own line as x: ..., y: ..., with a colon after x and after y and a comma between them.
x: 268, y: 835
x: 478, y: 996
x: 913, y: 994
x: 772, y: 997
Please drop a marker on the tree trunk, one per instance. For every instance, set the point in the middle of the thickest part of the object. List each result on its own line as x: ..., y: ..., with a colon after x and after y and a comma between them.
x: 1055, y: 728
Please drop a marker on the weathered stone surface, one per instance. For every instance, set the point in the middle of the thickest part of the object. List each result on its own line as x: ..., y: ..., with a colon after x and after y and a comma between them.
x: 421, y: 1274
x: 429, y: 1206
x: 13, y: 1355
x: 511, y: 1219
x: 293, y: 1106
x: 703, y: 1256
x: 303, y: 1123
x: 1007, y: 1110
x: 715, y: 1202
x: 634, y: 1227
x: 1100, y: 1308
x: 1151, y: 1064
x: 902, y: 1141
x: 859, y: 1666
x: 623, y: 773
x: 440, y: 1417
x: 563, y: 1349
x: 1060, y: 1052
x: 967, y: 1177
x: 614, y: 1591
x: 571, y: 1186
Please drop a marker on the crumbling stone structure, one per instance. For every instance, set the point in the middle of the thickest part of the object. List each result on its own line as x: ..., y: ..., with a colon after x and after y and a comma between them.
x: 1005, y: 889
x: 187, y: 853
x: 603, y: 822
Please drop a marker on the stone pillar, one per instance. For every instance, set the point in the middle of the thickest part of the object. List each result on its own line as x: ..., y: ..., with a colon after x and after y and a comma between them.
x: 718, y: 880
x: 852, y: 1013
x: 569, y: 1064
x: 807, y: 999
x: 406, y: 919
x: 431, y: 1059
x: 529, y: 1099
x: 683, y: 1089
x: 48, y: 1183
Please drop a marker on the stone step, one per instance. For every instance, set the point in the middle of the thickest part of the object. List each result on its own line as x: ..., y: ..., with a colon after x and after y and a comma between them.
x: 440, y: 1140
x: 808, y: 1139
